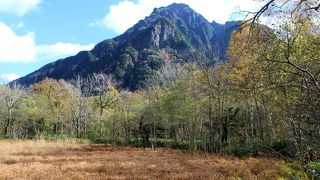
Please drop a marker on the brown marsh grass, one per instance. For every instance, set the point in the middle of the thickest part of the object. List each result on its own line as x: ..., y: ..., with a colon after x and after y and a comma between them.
x: 63, y: 160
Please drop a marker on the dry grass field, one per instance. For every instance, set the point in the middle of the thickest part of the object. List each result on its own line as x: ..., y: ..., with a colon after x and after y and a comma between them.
x: 62, y: 160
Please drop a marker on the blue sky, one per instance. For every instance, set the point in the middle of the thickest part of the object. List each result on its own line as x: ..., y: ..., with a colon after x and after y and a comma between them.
x: 36, y: 32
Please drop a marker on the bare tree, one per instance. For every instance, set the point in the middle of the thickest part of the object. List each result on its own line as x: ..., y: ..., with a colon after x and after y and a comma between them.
x: 79, y: 108
x: 103, y: 87
x: 9, y: 99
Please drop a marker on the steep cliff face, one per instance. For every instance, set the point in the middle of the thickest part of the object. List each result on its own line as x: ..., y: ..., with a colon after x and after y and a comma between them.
x: 175, y: 32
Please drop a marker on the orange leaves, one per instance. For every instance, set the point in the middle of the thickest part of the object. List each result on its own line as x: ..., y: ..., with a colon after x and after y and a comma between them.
x: 113, y: 90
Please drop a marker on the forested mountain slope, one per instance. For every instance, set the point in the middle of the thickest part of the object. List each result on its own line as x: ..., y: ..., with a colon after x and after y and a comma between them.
x: 175, y: 33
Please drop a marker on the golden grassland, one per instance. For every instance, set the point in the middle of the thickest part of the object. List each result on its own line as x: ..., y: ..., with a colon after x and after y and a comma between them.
x: 65, y: 160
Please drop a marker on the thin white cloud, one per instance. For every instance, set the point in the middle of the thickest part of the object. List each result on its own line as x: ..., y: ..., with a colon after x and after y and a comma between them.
x: 16, y: 48
x: 5, y: 78
x: 18, y: 7
x: 60, y: 50
x: 126, y: 13
x: 19, y: 25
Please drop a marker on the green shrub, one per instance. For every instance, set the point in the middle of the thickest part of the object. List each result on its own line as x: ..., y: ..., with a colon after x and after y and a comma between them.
x: 239, y: 151
x: 296, y: 172
x: 65, y: 138
x: 282, y: 148
x: 104, y: 140
x: 285, y: 147
x: 100, y: 140
x: 2, y: 137
x: 313, y: 170
x: 184, y: 145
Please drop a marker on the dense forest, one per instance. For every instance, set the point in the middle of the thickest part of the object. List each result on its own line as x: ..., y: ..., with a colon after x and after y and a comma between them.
x: 263, y: 101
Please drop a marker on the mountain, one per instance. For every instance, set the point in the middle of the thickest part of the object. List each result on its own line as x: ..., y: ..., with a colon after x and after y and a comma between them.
x: 174, y: 33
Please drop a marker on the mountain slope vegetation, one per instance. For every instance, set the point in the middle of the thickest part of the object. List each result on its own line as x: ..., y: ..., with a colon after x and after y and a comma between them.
x: 175, y: 33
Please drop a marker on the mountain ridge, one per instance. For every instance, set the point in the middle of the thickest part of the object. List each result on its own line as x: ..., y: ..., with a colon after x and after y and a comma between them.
x: 177, y: 31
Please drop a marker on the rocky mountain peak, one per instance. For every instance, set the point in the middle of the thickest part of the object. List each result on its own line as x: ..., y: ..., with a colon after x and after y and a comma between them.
x: 179, y: 11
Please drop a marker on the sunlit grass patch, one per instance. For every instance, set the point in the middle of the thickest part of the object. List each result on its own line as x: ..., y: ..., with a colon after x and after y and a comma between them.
x: 65, y: 160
